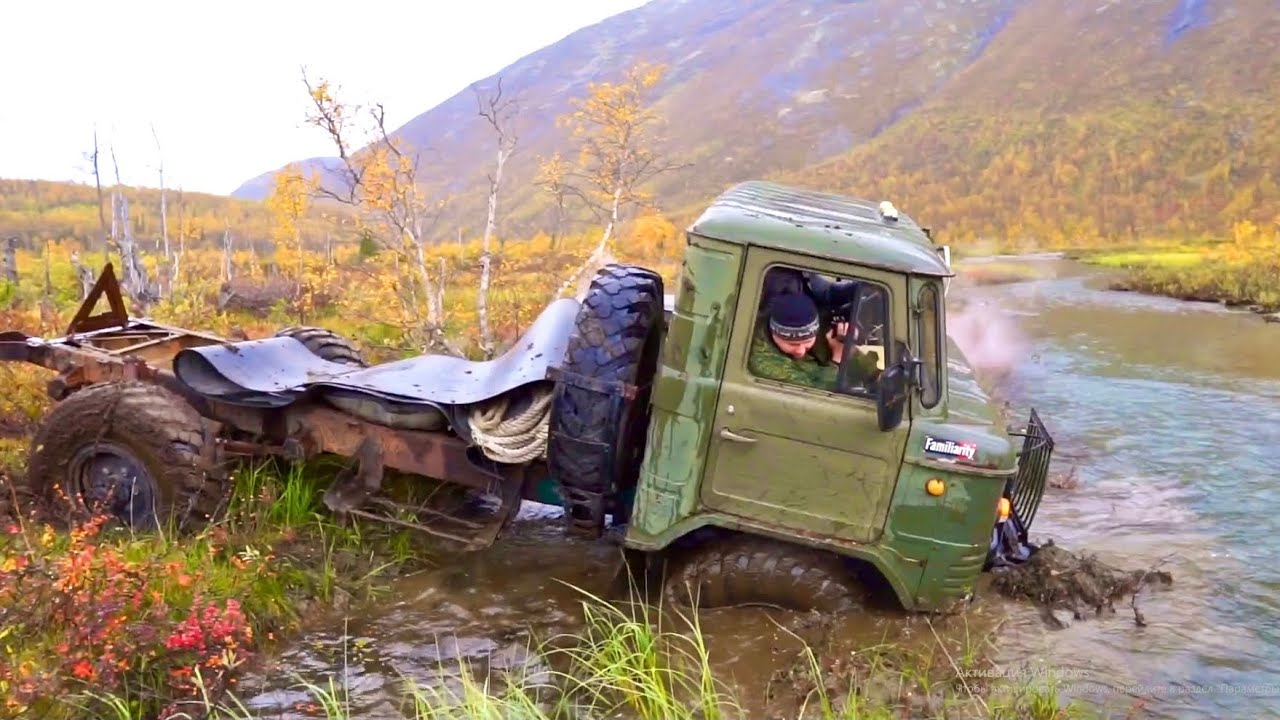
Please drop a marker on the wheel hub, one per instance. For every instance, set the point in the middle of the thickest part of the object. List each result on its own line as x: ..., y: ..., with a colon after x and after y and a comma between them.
x: 107, y: 477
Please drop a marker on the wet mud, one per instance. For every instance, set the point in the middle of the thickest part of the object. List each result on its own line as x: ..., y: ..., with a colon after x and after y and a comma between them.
x: 1061, y: 581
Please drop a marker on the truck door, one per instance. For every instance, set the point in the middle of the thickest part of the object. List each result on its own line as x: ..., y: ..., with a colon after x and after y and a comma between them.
x: 791, y: 455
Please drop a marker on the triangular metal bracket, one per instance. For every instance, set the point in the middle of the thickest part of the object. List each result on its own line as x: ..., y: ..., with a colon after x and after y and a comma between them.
x: 117, y: 316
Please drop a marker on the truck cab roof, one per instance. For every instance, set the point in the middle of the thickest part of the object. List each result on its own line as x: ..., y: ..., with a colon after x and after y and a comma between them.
x: 821, y: 224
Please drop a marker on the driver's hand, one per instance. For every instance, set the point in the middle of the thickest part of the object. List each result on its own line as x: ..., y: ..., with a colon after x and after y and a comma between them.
x: 835, y: 339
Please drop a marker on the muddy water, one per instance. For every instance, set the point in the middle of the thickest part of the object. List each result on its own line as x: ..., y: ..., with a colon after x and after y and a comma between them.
x: 1168, y: 413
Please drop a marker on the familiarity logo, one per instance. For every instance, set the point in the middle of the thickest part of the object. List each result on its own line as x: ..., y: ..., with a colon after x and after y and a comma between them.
x: 950, y: 447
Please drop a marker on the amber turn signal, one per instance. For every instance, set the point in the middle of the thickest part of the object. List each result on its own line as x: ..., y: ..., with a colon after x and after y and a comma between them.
x: 1003, y: 508
x: 935, y: 487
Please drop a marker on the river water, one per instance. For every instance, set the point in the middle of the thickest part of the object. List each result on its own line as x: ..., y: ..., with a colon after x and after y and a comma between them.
x: 1166, y: 412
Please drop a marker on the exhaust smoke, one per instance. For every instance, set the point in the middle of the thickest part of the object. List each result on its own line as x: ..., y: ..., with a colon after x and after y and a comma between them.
x: 989, y: 338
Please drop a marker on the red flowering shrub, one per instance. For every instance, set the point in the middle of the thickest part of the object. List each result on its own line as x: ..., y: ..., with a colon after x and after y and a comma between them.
x: 79, y: 612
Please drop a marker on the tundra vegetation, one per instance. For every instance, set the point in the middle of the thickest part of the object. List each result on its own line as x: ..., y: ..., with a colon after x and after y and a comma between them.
x: 94, y: 620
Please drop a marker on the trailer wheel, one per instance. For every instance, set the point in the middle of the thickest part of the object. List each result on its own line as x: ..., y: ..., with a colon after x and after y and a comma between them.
x: 325, y: 344
x: 596, y: 438
x: 133, y: 450
x: 746, y: 569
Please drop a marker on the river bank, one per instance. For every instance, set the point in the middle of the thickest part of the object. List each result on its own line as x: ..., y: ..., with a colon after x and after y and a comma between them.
x: 1242, y: 272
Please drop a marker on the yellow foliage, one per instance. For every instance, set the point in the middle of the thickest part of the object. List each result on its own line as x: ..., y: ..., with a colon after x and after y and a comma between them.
x: 613, y: 124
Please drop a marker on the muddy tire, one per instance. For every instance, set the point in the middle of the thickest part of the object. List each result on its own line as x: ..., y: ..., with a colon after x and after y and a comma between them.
x: 133, y: 450
x: 326, y: 344
x: 745, y: 570
x: 596, y: 439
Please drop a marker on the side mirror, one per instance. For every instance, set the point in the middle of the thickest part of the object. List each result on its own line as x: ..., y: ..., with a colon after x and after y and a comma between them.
x: 891, y: 397
x: 892, y: 389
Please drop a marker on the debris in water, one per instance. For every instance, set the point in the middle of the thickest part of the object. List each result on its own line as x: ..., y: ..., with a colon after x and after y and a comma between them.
x: 1060, y: 580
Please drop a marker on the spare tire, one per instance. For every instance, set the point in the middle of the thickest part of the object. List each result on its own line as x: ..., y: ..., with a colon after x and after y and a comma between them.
x: 325, y: 344
x: 596, y: 440
x: 133, y: 450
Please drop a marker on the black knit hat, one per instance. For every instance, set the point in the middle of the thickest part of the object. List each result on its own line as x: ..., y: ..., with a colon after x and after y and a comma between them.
x: 793, y: 316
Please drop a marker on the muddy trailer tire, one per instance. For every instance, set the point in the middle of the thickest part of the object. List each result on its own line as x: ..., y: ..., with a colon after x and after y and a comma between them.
x: 737, y: 569
x: 132, y: 449
x: 325, y: 344
x: 597, y: 436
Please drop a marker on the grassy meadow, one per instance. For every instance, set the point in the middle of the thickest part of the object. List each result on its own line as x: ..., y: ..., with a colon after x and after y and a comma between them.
x: 1240, y: 270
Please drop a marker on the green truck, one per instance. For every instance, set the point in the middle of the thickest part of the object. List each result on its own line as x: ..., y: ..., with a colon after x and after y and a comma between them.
x: 636, y: 410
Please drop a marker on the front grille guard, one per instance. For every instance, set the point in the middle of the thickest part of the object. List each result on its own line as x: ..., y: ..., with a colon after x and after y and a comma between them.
x: 1026, y: 488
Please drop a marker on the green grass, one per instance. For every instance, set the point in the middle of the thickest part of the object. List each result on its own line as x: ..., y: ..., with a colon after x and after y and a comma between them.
x: 1172, y: 259
x: 625, y: 663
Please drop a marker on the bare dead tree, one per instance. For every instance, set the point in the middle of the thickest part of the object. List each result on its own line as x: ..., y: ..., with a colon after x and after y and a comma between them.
x: 226, y: 253
x: 97, y: 182
x: 83, y: 274
x: 395, y: 199
x: 10, y: 265
x: 164, y: 217
x: 175, y: 260
x: 135, y: 274
x: 500, y: 113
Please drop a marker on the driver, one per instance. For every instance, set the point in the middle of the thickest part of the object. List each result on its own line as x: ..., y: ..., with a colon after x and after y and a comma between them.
x: 786, y: 348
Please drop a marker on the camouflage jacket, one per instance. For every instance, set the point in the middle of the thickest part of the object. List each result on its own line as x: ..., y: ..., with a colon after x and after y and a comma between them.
x: 818, y: 372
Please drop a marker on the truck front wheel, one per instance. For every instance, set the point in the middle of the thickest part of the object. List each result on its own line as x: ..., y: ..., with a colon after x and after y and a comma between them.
x: 734, y: 570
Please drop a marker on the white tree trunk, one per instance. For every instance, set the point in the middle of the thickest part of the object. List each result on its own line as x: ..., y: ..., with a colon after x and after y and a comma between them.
x: 598, y: 258
x: 10, y: 272
x: 226, y: 255
x: 486, y: 259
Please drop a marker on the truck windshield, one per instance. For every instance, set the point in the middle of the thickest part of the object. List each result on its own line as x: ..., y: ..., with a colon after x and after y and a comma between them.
x: 930, y: 334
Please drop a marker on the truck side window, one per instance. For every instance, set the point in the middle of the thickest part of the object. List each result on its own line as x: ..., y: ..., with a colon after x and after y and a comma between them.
x: 930, y: 350
x: 809, y: 361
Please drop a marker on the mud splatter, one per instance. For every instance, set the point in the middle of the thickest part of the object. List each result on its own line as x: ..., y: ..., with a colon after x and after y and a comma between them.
x: 1060, y: 580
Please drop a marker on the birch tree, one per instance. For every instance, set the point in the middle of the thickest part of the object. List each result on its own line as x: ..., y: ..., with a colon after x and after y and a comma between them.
x: 553, y: 174
x: 500, y: 114
x: 164, y: 216
x: 616, y: 129
x: 380, y: 182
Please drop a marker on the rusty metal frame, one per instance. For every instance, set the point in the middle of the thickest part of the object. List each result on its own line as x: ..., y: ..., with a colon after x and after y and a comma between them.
x: 106, y: 347
x: 111, y: 346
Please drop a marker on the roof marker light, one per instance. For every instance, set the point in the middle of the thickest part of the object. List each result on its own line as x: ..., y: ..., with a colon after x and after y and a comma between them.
x: 888, y: 211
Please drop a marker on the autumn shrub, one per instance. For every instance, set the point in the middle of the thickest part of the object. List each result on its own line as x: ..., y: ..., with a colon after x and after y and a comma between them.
x: 133, y: 618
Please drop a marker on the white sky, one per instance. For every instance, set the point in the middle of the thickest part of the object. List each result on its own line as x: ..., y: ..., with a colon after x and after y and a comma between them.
x: 221, y: 81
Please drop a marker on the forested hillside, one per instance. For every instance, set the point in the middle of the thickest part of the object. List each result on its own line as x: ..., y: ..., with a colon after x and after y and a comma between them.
x: 37, y: 210
x: 1041, y: 120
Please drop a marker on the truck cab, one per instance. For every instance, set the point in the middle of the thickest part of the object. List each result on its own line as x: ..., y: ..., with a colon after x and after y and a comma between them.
x: 900, y: 464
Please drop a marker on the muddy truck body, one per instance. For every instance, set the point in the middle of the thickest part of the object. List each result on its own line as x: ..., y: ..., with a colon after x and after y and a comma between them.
x: 634, y: 410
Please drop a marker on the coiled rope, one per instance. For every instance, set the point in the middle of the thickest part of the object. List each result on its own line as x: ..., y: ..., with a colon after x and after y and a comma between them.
x: 516, y: 439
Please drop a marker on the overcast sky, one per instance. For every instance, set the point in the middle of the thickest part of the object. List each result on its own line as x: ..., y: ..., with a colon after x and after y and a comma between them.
x: 221, y: 81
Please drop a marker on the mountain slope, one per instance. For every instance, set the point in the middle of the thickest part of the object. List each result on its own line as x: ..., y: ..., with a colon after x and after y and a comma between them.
x: 990, y: 116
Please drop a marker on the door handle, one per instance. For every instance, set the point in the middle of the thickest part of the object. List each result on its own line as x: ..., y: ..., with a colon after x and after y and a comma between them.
x: 728, y: 434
